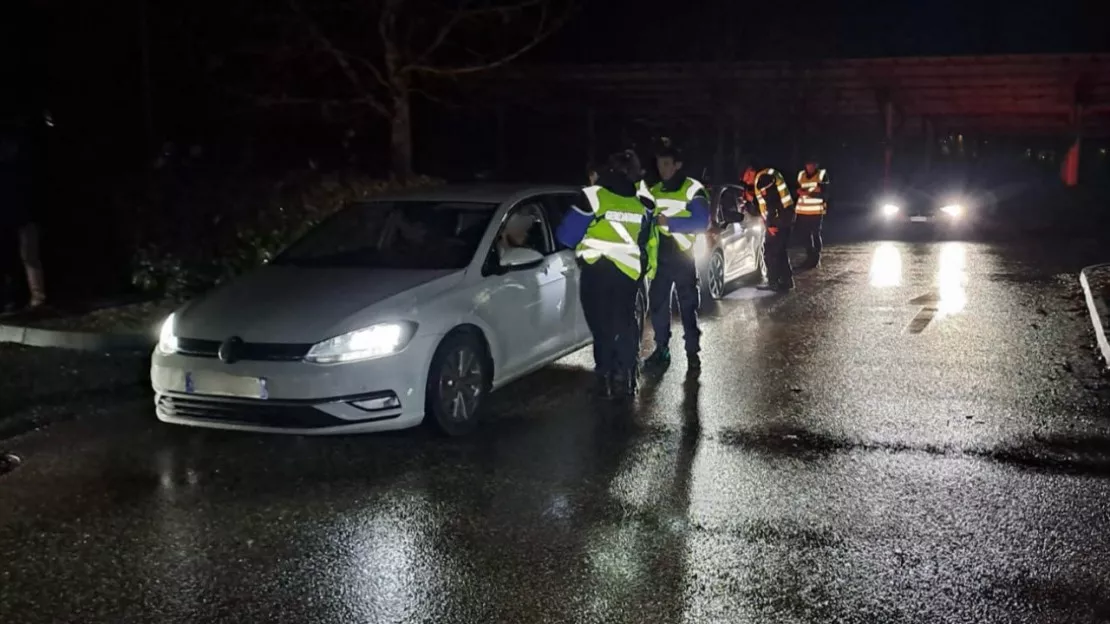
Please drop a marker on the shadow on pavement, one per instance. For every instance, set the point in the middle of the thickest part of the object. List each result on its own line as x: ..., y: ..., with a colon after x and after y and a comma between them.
x: 1080, y: 455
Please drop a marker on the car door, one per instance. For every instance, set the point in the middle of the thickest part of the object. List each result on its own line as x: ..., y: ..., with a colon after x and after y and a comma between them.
x: 529, y: 306
x: 558, y: 205
x: 734, y: 239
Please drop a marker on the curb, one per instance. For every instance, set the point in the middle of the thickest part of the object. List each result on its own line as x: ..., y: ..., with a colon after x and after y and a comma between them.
x: 1099, y: 314
x: 80, y: 341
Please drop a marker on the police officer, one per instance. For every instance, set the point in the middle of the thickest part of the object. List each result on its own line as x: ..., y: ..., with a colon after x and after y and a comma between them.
x: 683, y: 205
x: 768, y: 190
x: 812, y: 206
x: 610, y: 228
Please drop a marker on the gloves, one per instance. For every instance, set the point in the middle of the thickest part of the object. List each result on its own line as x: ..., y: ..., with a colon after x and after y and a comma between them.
x: 773, y: 231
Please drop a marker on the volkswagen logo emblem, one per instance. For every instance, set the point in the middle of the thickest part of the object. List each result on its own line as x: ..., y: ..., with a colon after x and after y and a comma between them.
x: 230, y: 350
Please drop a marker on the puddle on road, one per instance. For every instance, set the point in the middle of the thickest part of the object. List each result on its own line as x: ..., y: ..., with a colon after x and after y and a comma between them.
x: 748, y: 294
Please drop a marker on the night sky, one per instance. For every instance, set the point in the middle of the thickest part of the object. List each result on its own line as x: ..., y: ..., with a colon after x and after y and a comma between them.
x: 624, y: 30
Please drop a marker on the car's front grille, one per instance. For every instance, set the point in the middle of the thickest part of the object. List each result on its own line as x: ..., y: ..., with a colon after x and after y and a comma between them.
x: 247, y: 412
x: 247, y: 351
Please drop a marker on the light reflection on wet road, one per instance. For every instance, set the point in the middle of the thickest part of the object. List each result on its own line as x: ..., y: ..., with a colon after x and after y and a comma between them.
x: 828, y: 465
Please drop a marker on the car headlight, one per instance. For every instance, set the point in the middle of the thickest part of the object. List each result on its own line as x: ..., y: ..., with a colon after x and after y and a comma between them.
x: 954, y: 210
x: 363, y: 344
x: 167, y: 336
x: 889, y: 210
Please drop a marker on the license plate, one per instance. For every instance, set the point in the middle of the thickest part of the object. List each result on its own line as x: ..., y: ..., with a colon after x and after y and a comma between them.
x: 219, y: 384
x: 919, y: 219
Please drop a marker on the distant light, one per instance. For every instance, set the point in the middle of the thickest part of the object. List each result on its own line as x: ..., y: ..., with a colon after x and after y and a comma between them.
x: 954, y: 210
x: 889, y: 210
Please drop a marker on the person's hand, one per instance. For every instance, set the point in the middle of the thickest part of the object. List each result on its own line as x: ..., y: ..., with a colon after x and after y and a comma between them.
x: 662, y: 220
x: 773, y: 231
x: 803, y: 193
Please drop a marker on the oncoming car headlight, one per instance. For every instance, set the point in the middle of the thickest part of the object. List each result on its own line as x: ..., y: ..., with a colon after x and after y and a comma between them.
x: 953, y: 210
x: 889, y: 209
x: 167, y: 336
x: 363, y: 344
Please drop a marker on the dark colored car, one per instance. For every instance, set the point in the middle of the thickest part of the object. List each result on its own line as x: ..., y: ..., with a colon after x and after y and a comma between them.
x: 937, y: 205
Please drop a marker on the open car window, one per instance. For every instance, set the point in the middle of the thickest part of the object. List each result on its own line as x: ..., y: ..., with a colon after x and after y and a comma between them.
x: 394, y: 235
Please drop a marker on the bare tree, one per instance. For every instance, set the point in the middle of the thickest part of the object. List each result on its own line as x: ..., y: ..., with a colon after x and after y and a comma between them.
x: 376, y: 55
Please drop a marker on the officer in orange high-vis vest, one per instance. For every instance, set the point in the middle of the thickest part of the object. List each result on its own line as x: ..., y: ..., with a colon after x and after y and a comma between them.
x: 813, y: 204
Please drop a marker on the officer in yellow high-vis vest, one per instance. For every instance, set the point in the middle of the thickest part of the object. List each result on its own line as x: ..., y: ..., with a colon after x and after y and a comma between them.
x: 611, y: 228
x: 813, y: 204
x: 769, y: 191
x: 683, y: 205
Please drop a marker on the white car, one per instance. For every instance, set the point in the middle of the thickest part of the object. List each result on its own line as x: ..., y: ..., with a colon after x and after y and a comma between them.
x: 393, y: 311
x: 732, y: 249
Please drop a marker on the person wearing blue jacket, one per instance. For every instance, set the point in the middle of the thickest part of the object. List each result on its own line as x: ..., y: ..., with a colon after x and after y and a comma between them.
x: 683, y: 204
x: 610, y: 228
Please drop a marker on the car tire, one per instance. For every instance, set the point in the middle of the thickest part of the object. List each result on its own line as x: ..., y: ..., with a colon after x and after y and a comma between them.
x: 715, y: 277
x: 458, y: 382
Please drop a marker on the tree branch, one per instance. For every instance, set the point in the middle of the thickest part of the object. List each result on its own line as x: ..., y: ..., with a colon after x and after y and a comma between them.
x: 285, y: 100
x: 544, y: 29
x: 341, y: 58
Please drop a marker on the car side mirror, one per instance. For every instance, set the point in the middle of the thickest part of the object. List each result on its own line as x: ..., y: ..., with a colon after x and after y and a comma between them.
x: 516, y: 258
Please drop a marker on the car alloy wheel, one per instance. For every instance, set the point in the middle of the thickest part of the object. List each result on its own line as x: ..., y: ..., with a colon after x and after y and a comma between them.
x: 460, y: 384
x: 457, y: 384
x: 717, y: 276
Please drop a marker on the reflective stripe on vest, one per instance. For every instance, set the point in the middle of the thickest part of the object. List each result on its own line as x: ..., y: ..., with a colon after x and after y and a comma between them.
x: 780, y: 185
x: 810, y: 205
x: 615, y: 230
x: 673, y: 204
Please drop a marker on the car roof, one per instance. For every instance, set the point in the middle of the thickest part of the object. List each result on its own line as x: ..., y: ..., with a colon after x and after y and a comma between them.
x: 484, y: 193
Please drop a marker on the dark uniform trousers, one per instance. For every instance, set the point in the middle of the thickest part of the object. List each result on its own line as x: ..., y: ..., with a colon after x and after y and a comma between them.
x: 777, y: 249
x: 809, y: 227
x: 677, y: 271
x: 609, y: 303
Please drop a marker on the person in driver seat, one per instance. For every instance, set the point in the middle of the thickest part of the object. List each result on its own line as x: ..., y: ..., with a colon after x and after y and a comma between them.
x: 515, y: 232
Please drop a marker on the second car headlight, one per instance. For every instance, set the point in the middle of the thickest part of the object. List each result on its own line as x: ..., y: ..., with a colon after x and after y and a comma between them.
x: 363, y: 344
x: 167, y: 336
x: 889, y: 210
x: 954, y: 210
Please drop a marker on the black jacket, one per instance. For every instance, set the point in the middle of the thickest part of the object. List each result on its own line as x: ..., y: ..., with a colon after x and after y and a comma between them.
x: 778, y: 216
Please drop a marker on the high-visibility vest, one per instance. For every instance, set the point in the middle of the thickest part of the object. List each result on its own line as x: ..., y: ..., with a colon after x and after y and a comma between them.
x: 811, y: 205
x: 615, y: 231
x: 673, y: 204
x: 780, y: 185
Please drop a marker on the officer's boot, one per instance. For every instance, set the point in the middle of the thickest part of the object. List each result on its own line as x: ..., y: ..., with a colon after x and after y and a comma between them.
x: 659, y: 359
x: 693, y: 361
x: 603, y: 386
x: 630, y: 384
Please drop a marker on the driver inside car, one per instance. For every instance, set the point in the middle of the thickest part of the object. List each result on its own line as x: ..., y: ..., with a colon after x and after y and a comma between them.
x: 515, y: 233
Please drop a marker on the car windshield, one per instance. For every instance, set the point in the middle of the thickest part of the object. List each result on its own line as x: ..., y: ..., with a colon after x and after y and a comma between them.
x: 394, y: 235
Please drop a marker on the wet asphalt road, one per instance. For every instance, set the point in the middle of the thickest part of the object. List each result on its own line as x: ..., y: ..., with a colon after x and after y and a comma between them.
x: 836, y: 461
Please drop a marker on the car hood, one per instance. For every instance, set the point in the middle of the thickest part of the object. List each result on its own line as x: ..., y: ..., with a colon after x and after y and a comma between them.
x: 304, y: 305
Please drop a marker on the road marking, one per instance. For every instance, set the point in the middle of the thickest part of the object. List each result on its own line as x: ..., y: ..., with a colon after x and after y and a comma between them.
x: 929, y: 306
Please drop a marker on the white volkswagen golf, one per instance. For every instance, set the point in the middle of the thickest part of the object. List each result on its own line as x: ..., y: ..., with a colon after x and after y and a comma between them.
x: 404, y: 309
